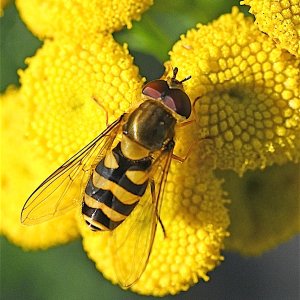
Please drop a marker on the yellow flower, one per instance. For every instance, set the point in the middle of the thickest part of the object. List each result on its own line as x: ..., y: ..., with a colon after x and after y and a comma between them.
x: 78, y: 18
x: 280, y: 19
x: 21, y: 172
x: 246, y: 92
x: 58, y: 91
x: 264, y: 210
x: 64, y: 78
x: 247, y: 108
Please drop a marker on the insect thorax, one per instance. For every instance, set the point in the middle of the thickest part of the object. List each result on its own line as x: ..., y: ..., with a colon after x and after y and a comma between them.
x: 151, y: 125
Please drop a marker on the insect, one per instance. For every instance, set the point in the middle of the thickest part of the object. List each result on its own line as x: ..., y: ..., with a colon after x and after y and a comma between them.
x: 120, y: 176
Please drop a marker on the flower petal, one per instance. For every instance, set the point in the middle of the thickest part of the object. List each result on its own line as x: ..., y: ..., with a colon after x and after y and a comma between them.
x: 20, y: 173
x: 246, y: 92
x: 79, y: 18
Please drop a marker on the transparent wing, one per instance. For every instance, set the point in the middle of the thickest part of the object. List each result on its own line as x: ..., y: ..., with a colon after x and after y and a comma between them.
x: 133, y: 239
x: 63, y: 189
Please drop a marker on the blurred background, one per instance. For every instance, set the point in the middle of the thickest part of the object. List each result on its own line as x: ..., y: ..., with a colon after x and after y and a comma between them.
x: 65, y: 272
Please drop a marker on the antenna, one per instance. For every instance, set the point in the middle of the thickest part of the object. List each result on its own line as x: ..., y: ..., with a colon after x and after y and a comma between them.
x: 175, y: 71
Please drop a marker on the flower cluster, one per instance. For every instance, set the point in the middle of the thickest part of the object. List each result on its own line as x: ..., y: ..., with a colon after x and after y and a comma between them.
x: 245, y: 100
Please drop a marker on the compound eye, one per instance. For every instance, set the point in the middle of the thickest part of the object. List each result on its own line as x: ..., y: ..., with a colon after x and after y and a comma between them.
x: 156, y: 89
x: 178, y: 101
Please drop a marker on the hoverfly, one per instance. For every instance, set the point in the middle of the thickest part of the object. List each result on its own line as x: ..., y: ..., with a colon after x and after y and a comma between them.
x: 122, y: 172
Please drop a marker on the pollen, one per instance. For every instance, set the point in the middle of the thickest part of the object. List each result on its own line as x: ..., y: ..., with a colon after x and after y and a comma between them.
x: 79, y: 18
x: 245, y: 91
x: 280, y: 19
x: 21, y: 172
x: 64, y: 84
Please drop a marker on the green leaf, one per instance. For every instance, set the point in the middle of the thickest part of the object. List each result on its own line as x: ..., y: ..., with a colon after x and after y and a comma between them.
x: 17, y: 43
x: 162, y: 25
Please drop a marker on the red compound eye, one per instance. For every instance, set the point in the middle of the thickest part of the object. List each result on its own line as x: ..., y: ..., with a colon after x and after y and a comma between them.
x: 178, y: 101
x: 156, y: 89
x: 174, y: 98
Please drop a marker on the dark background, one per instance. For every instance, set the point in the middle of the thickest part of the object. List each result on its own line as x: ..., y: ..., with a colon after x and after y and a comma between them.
x: 65, y: 272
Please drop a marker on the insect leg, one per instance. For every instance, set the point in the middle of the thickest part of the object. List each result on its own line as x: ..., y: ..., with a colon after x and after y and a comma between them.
x: 106, y: 113
x: 194, y: 110
x: 182, y: 159
x: 182, y: 124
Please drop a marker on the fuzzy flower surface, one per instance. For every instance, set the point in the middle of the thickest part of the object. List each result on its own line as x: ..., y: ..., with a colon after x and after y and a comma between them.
x: 246, y: 92
x: 21, y: 172
x: 247, y: 105
x: 66, y: 92
x: 195, y: 229
x: 280, y: 19
x: 77, y: 18
x: 75, y: 80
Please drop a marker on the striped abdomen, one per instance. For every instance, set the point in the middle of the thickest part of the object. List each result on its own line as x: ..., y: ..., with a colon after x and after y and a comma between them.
x: 114, y: 189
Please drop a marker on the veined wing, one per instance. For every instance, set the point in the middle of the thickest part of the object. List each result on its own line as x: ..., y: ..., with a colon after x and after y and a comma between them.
x: 133, y: 239
x: 63, y: 189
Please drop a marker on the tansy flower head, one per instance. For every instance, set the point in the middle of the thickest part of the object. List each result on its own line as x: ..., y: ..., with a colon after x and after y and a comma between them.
x: 246, y: 92
x: 61, y: 90
x: 66, y: 78
x: 79, y: 18
x: 246, y: 102
x: 21, y: 172
x: 280, y: 19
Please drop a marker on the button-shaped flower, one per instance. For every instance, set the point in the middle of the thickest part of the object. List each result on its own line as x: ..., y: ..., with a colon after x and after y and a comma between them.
x: 246, y: 92
x: 58, y: 103
x: 21, y: 172
x: 78, y: 18
x: 81, y: 75
x: 60, y: 86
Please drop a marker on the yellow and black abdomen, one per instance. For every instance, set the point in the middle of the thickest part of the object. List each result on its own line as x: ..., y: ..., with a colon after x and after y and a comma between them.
x: 114, y: 189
